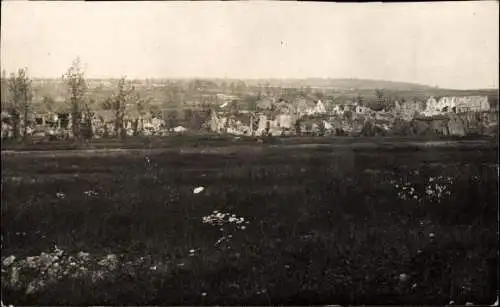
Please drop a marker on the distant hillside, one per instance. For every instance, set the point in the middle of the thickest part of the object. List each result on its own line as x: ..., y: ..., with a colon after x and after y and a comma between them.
x: 341, y: 84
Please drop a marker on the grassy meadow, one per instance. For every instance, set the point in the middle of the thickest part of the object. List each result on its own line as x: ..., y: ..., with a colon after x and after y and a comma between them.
x: 274, y: 224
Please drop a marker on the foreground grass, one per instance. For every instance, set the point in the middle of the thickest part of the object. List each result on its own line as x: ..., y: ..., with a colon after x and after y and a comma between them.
x: 323, y: 227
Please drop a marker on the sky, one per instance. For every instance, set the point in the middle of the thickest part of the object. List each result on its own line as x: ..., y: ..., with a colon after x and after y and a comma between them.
x: 445, y: 44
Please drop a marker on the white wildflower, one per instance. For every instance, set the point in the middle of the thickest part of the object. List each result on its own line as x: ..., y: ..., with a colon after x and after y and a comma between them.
x: 219, y: 241
x: 198, y: 190
x: 9, y: 260
x: 14, y: 278
x: 111, y: 257
x: 83, y: 255
x: 90, y: 193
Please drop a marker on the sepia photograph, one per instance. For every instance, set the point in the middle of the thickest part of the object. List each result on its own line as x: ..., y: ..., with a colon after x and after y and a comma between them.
x: 249, y: 153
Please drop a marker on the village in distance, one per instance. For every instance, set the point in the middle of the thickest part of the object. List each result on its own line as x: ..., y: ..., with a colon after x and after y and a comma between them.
x: 78, y: 108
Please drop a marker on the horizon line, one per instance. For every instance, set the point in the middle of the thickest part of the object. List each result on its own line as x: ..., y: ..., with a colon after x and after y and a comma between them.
x: 265, y: 79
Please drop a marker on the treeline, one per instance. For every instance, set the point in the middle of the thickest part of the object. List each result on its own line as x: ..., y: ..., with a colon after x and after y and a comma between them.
x: 17, y: 101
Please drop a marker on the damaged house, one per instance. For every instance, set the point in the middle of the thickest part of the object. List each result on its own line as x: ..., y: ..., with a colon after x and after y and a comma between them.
x: 271, y: 117
x: 319, y: 108
x: 144, y: 123
x: 454, y: 104
x: 278, y: 119
x: 304, y: 106
x: 103, y: 123
x: 238, y: 124
x: 472, y: 104
x: 408, y: 109
x: 338, y: 109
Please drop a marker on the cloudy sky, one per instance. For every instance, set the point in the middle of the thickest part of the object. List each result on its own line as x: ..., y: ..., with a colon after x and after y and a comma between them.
x: 449, y: 44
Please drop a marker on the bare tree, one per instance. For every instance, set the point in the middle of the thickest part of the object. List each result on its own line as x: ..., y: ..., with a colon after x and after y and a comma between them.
x: 142, y: 106
x: 21, y: 97
x: 89, y: 115
x: 125, y: 95
x: 119, y: 105
x: 4, y: 89
x: 172, y: 118
x: 77, y: 87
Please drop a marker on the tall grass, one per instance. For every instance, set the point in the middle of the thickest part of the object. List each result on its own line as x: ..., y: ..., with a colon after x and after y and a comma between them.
x: 325, y: 227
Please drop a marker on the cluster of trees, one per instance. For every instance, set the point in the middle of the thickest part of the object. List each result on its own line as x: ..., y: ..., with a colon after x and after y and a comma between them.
x: 400, y: 128
x: 19, y: 102
x: 381, y: 99
x: 378, y: 103
x: 124, y: 97
x: 192, y: 119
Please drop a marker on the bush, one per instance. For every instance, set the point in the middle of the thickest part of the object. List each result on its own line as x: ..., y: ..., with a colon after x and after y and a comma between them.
x: 369, y: 129
x: 402, y: 128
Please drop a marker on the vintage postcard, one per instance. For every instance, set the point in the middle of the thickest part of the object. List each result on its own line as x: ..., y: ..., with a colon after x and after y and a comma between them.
x: 249, y: 153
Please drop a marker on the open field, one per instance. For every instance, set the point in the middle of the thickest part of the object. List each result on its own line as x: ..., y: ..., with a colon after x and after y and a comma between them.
x: 373, y: 223
x: 206, y: 140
